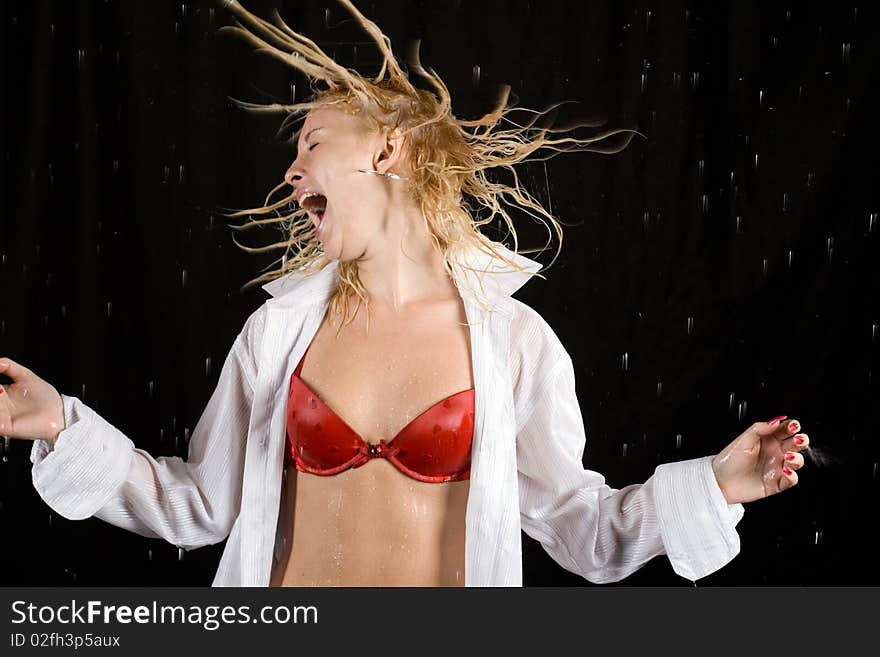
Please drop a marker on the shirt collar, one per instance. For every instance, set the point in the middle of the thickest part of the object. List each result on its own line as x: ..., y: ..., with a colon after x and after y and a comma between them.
x: 484, y: 275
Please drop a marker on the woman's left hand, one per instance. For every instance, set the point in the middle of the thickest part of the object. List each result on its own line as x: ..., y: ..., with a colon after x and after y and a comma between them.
x: 762, y: 461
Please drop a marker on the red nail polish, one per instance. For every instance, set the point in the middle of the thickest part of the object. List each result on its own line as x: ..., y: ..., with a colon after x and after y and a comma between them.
x: 1, y: 391
x: 786, y: 470
x: 776, y: 419
x: 789, y: 456
x: 793, y: 426
x: 798, y: 440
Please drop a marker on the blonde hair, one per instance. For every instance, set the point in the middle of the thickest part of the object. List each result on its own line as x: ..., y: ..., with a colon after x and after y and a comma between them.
x: 449, y: 157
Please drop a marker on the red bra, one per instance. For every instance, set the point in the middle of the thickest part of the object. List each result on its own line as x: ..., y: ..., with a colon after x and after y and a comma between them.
x: 435, y: 447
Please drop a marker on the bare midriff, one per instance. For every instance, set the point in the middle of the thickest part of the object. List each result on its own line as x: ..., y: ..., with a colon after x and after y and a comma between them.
x: 374, y: 525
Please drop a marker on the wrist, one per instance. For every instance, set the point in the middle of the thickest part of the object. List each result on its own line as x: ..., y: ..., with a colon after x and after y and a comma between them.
x: 719, y: 481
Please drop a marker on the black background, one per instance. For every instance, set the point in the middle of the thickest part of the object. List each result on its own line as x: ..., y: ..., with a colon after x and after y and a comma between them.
x: 718, y: 272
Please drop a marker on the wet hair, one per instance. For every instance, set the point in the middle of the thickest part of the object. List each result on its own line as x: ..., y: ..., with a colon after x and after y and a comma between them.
x: 449, y: 158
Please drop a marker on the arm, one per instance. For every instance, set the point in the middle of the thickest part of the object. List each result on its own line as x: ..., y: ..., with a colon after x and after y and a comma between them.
x: 601, y: 533
x: 93, y: 469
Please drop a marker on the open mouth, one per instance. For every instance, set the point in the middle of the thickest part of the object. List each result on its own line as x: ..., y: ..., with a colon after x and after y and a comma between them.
x: 316, y: 206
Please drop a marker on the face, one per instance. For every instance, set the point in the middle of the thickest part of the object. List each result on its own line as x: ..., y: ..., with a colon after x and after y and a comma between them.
x: 332, y: 147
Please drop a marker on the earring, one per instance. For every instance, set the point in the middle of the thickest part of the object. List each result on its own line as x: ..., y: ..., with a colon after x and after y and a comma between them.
x: 377, y: 173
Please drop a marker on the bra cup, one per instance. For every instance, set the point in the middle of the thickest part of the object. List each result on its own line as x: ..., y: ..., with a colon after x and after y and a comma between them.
x: 323, y: 441
x: 438, y: 442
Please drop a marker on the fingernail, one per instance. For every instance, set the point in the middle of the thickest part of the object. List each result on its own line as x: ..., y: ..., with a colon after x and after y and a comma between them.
x: 786, y: 470
x: 798, y: 440
x: 1, y: 391
x: 789, y: 456
x: 793, y: 426
x: 776, y: 419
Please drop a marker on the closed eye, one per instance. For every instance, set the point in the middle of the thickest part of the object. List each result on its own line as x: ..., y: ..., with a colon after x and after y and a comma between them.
x: 312, y: 146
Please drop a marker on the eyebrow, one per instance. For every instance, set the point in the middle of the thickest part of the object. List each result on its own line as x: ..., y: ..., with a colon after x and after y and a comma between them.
x: 308, y: 134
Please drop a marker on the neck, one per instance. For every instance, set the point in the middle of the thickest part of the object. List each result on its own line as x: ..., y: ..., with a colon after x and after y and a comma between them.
x: 404, y: 268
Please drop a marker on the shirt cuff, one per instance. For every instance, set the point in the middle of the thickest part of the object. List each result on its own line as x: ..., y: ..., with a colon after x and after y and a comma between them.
x: 87, y: 465
x: 697, y: 524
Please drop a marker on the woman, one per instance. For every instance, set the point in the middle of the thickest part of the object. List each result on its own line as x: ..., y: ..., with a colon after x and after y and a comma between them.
x: 407, y: 438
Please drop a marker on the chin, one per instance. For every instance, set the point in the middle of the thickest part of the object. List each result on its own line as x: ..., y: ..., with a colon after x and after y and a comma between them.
x: 331, y: 252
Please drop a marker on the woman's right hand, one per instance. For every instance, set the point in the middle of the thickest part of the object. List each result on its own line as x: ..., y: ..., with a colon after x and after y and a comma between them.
x: 30, y: 408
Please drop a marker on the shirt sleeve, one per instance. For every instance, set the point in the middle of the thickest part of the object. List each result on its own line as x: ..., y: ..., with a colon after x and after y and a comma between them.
x: 601, y: 533
x: 94, y: 469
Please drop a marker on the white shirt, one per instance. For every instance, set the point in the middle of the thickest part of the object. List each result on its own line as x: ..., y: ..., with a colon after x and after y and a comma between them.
x: 526, y: 465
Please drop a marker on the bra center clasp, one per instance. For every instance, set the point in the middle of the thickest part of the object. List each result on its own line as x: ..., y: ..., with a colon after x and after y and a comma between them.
x: 380, y: 449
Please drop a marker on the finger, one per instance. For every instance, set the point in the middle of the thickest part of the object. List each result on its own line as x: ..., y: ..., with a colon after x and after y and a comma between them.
x: 12, y: 369
x: 796, y: 443
x: 770, y: 426
x: 790, y: 427
x: 793, y: 460
x: 788, y: 479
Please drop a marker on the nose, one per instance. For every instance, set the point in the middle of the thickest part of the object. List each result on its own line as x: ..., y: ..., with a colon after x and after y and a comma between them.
x: 293, y: 174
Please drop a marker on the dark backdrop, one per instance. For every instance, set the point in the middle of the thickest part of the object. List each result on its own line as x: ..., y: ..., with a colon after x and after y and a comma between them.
x: 718, y: 272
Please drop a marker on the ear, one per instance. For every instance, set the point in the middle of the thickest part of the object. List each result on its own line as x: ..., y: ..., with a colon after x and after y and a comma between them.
x: 389, y: 155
